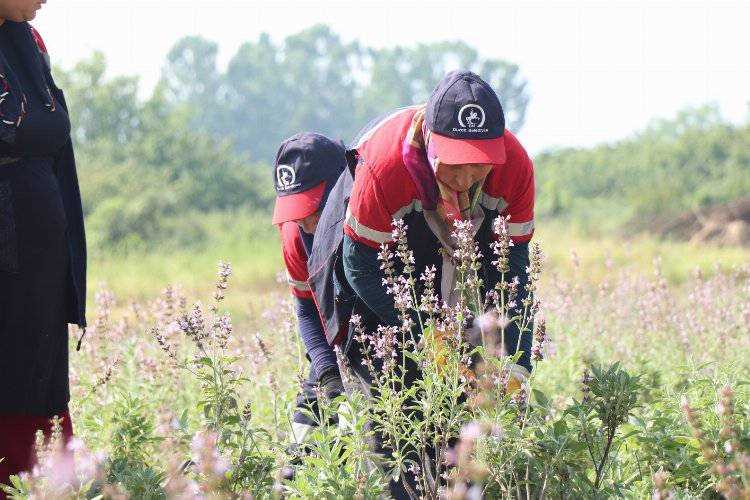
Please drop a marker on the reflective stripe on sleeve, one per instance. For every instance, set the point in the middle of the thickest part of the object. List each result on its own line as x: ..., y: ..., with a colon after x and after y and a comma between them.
x: 492, y: 203
x: 521, y: 228
x: 366, y: 232
x: 302, y: 286
x: 415, y: 205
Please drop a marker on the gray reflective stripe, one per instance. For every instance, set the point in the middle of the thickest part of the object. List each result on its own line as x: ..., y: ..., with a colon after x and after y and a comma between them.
x: 364, y: 231
x: 415, y: 205
x: 370, y: 132
x: 299, y: 285
x: 521, y: 228
x: 492, y: 203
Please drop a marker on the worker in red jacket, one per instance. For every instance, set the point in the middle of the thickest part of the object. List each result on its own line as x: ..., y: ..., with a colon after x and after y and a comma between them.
x: 306, y: 168
x: 425, y: 164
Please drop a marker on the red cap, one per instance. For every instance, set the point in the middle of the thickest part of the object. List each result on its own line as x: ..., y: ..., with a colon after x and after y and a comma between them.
x: 459, y: 151
x: 299, y: 205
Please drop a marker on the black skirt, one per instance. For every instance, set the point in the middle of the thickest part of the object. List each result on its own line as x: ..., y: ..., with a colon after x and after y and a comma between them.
x: 34, y: 276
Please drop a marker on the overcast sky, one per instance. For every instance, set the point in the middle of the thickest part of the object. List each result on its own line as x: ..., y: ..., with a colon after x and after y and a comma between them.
x: 597, y: 70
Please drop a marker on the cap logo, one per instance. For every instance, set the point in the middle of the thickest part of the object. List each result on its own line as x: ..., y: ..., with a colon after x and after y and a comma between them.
x: 471, y: 116
x: 285, y: 177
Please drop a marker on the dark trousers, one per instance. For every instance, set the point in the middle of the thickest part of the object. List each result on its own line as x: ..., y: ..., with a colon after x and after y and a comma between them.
x: 307, y: 401
x: 364, y: 383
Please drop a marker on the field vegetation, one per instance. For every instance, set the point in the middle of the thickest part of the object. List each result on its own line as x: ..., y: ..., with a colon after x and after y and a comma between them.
x: 189, y: 392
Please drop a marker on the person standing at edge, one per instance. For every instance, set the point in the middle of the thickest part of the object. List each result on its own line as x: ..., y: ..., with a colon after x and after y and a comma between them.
x: 306, y: 168
x: 425, y: 164
x: 42, y: 241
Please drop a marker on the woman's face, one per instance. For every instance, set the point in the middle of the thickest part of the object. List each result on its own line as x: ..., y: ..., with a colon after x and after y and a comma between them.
x: 461, y: 177
x: 20, y: 10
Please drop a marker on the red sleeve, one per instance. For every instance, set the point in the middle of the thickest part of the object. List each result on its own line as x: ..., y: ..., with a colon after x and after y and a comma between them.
x: 382, y: 190
x: 512, y: 187
x: 295, y: 260
x: 368, y: 218
x: 521, y: 205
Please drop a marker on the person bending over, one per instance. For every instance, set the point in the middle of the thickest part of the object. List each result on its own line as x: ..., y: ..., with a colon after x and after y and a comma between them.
x: 425, y: 164
x: 306, y: 168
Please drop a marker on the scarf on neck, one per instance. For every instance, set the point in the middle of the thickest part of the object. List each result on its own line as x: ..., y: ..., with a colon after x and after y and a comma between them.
x: 13, y: 101
x: 421, y: 163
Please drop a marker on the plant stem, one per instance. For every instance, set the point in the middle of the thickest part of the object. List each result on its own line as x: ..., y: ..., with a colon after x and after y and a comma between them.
x: 602, y: 463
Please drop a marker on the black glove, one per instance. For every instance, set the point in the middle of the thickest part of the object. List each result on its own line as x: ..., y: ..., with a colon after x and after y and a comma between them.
x: 330, y: 383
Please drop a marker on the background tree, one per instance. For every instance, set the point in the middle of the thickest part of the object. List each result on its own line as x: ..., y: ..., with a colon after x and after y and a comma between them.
x: 403, y: 76
x: 314, y: 81
x: 105, y: 109
x: 190, y: 73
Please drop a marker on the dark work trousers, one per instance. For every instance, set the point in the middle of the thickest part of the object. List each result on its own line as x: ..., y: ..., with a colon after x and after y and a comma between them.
x: 363, y: 382
x: 307, y: 411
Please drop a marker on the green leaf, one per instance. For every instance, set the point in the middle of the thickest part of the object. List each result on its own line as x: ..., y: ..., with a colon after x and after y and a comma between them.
x: 205, y: 361
x: 541, y: 398
x: 560, y: 427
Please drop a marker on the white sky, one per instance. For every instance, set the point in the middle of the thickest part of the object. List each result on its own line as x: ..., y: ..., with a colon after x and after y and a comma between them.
x: 597, y: 70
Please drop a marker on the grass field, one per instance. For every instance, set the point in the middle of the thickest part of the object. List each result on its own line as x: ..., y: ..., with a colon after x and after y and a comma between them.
x: 252, y: 246
x: 143, y: 408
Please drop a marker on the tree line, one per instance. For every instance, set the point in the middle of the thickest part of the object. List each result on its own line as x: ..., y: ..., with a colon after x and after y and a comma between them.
x: 692, y: 161
x: 314, y: 81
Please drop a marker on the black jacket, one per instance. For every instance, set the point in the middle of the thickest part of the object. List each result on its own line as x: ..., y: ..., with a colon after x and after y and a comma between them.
x: 331, y: 292
x: 31, y: 47
x: 65, y: 166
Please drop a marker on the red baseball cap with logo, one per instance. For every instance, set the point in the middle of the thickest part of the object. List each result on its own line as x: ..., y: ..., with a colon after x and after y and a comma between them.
x: 306, y: 168
x: 466, y: 121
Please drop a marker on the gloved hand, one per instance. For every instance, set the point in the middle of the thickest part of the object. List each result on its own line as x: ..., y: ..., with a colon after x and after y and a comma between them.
x: 331, y: 384
x: 482, y: 327
x: 489, y: 325
x: 519, y: 377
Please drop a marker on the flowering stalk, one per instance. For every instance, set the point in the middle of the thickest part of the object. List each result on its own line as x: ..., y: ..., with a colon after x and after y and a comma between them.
x: 505, y: 291
x: 468, y: 264
x: 529, y: 303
